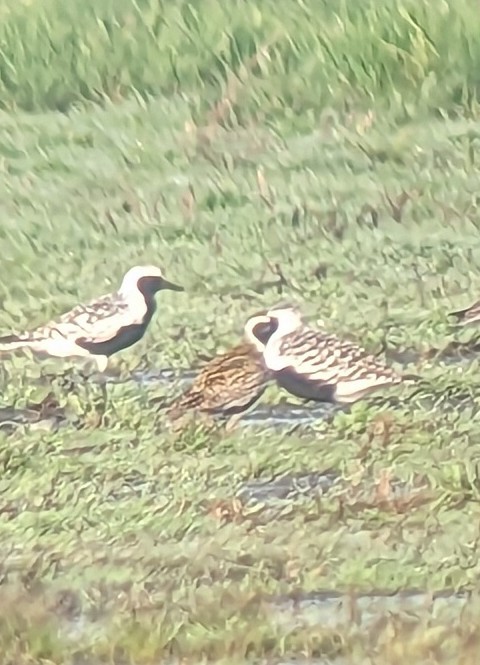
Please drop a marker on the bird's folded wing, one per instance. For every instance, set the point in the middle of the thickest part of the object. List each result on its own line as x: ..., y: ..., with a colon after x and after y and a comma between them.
x: 97, y: 321
x: 215, y: 377
x: 327, y: 358
x: 102, y: 329
x: 236, y: 372
x: 86, y: 314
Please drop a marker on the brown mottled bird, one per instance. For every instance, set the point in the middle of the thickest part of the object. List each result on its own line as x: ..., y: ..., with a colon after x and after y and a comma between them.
x: 468, y: 315
x: 319, y: 366
x: 233, y: 381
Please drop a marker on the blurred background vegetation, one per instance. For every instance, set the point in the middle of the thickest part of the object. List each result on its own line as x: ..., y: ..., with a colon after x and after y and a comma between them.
x: 264, y: 58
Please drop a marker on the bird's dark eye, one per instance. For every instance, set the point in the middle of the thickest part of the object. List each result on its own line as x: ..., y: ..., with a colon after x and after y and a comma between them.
x: 264, y: 330
x: 149, y: 284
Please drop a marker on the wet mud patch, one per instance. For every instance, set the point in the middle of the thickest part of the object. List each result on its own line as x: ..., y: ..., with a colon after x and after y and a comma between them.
x: 382, y: 493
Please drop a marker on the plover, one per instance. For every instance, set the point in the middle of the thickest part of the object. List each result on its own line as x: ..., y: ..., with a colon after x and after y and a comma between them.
x: 319, y: 366
x: 233, y: 381
x: 101, y: 327
x: 468, y: 315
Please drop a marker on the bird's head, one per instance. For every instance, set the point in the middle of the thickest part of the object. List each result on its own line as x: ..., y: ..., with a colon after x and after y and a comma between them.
x: 286, y: 317
x: 148, y: 280
x: 259, y: 328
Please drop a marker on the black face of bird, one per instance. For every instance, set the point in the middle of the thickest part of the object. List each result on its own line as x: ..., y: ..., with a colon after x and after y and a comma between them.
x: 149, y: 285
x: 264, y: 330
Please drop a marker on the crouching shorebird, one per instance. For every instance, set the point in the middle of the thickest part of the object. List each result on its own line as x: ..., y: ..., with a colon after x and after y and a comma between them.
x: 317, y: 365
x: 233, y: 381
x: 101, y: 327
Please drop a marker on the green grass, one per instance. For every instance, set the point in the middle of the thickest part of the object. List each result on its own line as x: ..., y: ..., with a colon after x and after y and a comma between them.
x: 328, y: 157
x: 253, y: 58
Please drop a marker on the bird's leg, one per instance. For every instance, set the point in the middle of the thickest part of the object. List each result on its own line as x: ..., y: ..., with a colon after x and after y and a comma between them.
x: 233, y: 421
x: 65, y: 380
x: 102, y: 363
x: 103, y: 390
x: 104, y: 402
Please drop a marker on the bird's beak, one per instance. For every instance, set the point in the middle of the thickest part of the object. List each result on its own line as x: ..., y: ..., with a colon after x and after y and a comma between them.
x: 171, y: 286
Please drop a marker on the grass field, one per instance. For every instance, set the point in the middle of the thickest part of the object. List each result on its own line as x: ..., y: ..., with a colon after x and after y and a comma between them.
x: 326, y: 153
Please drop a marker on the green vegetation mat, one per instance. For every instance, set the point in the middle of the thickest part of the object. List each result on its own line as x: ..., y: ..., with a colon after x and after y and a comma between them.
x: 322, y: 152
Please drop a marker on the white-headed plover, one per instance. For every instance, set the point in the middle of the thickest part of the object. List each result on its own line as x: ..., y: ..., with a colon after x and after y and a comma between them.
x: 319, y: 366
x: 101, y: 327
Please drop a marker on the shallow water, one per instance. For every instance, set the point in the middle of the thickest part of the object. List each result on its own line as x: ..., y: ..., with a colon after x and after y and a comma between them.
x: 160, y: 376
x: 281, y: 415
x: 288, y: 486
x: 277, y: 416
x: 368, y: 491
x: 290, y: 414
x: 336, y: 610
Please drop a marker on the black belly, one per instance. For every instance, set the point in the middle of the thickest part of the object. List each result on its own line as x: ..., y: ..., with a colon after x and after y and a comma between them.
x: 126, y: 336
x: 304, y: 388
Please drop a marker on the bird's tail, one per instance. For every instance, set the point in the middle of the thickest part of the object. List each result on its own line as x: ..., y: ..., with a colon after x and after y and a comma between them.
x: 408, y: 379
x: 459, y: 316
x: 13, y: 342
x: 465, y: 316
